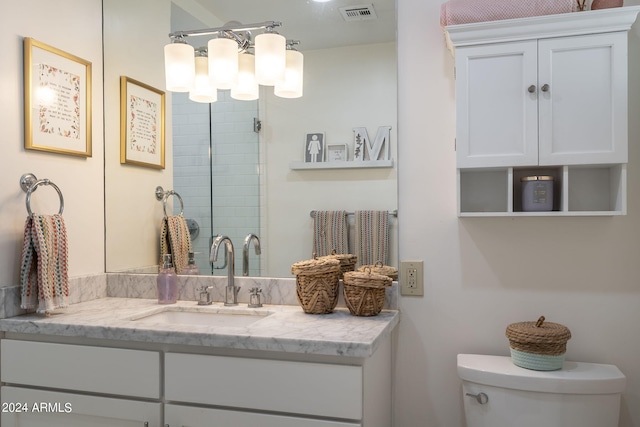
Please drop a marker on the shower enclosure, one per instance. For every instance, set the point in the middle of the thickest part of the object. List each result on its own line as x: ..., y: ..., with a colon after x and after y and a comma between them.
x: 216, y: 170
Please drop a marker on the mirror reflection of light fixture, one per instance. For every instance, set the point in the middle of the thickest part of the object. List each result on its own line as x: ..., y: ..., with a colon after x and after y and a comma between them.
x: 223, y: 62
x: 291, y: 86
x: 271, y: 59
x: 202, y: 89
x: 179, y: 65
x: 247, y: 87
x: 231, y: 64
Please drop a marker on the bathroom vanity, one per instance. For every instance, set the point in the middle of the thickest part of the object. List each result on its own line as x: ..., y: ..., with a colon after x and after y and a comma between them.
x: 132, y: 362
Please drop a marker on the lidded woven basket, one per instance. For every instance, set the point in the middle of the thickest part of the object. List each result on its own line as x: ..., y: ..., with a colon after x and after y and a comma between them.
x: 379, y: 268
x: 347, y: 261
x: 364, y: 292
x: 538, y: 345
x: 317, y: 282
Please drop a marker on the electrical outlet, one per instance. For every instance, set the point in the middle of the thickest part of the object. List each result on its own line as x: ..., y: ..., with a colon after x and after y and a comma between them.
x: 412, y: 278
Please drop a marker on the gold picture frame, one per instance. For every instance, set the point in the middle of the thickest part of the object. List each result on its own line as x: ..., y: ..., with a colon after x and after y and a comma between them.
x: 142, y: 123
x: 57, y: 100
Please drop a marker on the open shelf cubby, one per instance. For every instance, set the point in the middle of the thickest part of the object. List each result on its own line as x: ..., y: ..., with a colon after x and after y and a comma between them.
x: 594, y: 190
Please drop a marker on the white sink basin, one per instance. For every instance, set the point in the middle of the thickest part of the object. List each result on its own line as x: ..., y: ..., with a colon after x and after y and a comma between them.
x: 213, y: 317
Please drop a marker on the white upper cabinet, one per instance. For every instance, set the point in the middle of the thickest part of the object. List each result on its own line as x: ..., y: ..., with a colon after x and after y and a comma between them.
x: 582, y: 99
x: 543, y: 96
x: 497, y: 118
x: 549, y: 90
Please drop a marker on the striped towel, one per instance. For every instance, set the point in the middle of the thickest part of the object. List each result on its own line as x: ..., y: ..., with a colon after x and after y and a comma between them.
x: 44, y: 276
x: 175, y: 240
x: 330, y: 233
x: 372, y: 237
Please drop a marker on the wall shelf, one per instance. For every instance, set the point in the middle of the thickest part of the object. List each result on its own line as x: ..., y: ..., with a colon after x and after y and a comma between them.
x: 584, y: 190
x: 342, y: 165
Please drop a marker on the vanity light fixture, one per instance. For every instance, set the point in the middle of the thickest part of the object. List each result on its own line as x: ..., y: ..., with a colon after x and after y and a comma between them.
x: 179, y: 65
x: 202, y: 89
x: 234, y: 62
x: 291, y: 86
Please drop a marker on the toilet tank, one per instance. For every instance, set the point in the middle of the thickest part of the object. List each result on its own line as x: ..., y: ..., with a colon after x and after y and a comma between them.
x: 498, y: 393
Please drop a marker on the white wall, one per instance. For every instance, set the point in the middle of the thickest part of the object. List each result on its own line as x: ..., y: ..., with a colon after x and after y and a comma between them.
x: 344, y: 88
x: 133, y: 215
x: 481, y: 273
x: 74, y: 26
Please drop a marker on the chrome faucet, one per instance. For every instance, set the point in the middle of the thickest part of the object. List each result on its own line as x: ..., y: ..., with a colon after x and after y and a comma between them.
x: 245, y: 251
x: 231, y: 290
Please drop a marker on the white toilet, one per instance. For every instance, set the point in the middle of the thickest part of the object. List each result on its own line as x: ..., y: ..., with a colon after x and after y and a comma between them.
x: 498, y: 393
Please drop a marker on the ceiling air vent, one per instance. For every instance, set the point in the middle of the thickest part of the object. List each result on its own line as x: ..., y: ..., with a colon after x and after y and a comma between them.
x: 363, y: 12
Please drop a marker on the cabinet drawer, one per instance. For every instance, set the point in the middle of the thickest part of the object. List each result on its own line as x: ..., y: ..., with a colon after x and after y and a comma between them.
x: 55, y: 409
x: 175, y: 415
x: 81, y: 368
x: 292, y: 387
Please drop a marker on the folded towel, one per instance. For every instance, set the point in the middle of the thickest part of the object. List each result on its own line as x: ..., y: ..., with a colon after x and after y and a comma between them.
x: 455, y: 12
x: 330, y: 233
x: 176, y: 240
x: 44, y: 276
x: 372, y: 237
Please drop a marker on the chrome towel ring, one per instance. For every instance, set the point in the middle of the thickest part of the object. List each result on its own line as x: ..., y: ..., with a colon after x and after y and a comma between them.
x: 29, y: 183
x: 164, y: 196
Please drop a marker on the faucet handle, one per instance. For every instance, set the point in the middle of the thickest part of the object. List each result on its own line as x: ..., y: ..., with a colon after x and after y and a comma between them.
x: 204, y: 297
x: 254, y: 298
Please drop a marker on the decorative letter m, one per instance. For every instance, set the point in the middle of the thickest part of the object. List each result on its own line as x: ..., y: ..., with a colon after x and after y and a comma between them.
x: 365, y: 150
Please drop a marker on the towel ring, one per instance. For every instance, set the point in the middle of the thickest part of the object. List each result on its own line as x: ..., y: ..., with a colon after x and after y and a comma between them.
x: 30, y: 183
x: 166, y: 197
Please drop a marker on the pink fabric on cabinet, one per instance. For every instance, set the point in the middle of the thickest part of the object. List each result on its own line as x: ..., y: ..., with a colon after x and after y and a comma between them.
x: 455, y: 12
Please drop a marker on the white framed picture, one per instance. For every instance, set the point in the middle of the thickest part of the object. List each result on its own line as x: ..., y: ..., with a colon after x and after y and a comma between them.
x: 314, y: 147
x: 337, y: 152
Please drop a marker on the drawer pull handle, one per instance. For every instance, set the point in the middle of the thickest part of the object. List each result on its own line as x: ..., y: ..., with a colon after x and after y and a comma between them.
x: 482, y: 398
x: 545, y: 88
x: 531, y: 88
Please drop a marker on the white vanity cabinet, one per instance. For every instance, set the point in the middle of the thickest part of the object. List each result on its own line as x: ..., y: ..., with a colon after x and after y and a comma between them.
x: 543, y: 95
x: 25, y: 407
x: 70, y: 384
x: 50, y: 384
x: 283, y: 393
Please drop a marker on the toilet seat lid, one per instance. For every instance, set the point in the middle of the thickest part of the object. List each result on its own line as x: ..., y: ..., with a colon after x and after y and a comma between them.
x: 573, y: 378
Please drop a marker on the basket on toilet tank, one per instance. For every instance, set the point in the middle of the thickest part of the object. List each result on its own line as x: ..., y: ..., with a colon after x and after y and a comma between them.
x: 538, y: 345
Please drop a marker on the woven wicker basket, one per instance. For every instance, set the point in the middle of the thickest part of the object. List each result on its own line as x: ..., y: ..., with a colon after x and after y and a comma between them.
x: 364, y: 292
x: 538, y: 345
x: 347, y: 261
x: 317, y: 282
x: 379, y: 268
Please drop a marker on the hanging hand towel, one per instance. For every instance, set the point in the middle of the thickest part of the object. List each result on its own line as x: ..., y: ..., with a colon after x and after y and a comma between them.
x: 176, y: 240
x: 330, y: 233
x: 372, y: 237
x: 44, y: 277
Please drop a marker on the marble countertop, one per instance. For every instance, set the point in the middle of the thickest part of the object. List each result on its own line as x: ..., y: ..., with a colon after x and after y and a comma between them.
x: 286, y: 329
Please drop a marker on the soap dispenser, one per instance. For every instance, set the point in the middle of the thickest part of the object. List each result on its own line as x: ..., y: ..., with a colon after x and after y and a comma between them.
x: 191, y: 268
x: 167, y: 282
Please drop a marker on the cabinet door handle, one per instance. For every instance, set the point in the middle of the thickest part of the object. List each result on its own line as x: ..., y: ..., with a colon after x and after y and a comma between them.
x: 531, y: 88
x: 545, y: 88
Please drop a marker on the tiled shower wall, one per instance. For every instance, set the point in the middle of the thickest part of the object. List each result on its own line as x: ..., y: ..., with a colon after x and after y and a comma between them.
x: 232, y: 177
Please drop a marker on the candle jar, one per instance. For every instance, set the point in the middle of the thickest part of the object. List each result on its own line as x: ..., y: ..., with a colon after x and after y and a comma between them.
x: 537, y: 193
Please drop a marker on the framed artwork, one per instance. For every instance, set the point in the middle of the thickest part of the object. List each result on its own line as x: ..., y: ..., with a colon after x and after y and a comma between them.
x: 314, y: 148
x: 142, y: 122
x: 57, y: 100
x: 337, y: 153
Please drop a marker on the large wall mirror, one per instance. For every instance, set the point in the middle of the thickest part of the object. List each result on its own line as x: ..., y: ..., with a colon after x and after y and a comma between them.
x: 234, y: 179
